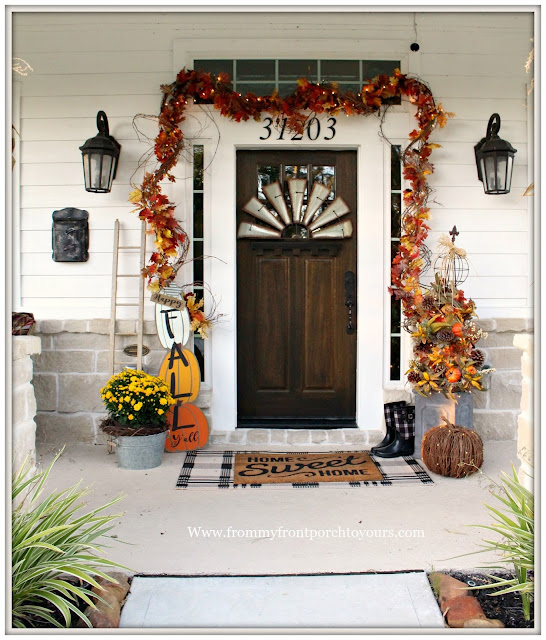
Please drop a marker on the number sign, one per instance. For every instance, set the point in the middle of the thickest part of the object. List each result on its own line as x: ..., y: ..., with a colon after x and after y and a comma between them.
x: 313, y: 130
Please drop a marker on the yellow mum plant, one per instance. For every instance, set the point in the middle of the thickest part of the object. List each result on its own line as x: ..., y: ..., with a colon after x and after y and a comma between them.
x: 135, y: 398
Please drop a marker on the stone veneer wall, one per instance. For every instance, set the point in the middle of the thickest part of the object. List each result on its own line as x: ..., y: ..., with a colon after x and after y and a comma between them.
x: 23, y: 401
x: 73, y: 366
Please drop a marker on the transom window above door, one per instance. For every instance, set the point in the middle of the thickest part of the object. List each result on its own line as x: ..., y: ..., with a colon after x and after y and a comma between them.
x: 262, y: 77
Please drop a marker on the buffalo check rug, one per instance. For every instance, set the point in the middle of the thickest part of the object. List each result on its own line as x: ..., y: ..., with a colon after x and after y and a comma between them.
x: 203, y: 469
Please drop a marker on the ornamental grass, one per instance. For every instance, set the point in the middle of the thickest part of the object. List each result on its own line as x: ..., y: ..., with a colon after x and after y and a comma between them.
x: 55, y: 549
x: 135, y: 398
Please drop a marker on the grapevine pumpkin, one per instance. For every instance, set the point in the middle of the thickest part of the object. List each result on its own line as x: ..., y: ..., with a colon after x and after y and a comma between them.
x: 452, y: 451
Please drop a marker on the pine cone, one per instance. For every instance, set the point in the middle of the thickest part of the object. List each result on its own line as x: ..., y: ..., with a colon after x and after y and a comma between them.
x: 421, y: 348
x: 478, y: 356
x: 429, y: 303
x: 413, y: 377
x: 444, y: 335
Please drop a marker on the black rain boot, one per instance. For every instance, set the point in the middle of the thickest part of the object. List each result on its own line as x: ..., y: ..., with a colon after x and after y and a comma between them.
x: 398, y: 447
x: 388, y: 410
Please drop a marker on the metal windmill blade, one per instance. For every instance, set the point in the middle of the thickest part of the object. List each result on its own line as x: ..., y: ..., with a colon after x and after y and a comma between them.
x: 260, y: 211
x: 319, y: 193
x: 296, y: 189
x: 334, y: 211
x: 273, y: 193
x: 251, y: 230
x: 339, y: 230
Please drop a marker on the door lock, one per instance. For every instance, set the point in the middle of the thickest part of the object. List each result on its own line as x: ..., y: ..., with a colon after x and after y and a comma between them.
x: 350, y: 300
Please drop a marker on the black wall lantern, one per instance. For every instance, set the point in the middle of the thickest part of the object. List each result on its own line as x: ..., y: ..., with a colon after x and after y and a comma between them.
x: 495, y: 159
x: 100, y: 158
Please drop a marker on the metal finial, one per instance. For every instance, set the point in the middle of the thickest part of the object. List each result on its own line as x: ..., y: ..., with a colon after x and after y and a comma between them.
x: 453, y: 233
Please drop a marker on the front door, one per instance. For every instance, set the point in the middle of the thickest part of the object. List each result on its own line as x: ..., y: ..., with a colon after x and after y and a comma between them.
x: 296, y: 288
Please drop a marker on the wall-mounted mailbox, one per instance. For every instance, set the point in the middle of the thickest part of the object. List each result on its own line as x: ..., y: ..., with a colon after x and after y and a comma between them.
x: 70, y: 235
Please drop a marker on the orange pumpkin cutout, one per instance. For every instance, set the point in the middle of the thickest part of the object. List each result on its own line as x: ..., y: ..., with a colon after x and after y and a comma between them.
x: 181, y: 372
x: 188, y: 428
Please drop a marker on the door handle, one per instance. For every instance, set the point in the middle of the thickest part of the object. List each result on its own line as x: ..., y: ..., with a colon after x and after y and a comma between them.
x: 350, y: 299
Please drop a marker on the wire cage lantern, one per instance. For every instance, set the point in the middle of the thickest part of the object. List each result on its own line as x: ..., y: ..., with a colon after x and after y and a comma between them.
x: 451, y: 264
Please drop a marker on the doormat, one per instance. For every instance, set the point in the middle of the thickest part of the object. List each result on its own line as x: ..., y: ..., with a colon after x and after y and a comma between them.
x: 304, y: 467
x: 216, y: 470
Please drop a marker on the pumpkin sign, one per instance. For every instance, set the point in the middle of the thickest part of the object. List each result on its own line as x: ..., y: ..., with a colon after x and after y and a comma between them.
x: 173, y: 325
x: 188, y: 428
x: 181, y: 372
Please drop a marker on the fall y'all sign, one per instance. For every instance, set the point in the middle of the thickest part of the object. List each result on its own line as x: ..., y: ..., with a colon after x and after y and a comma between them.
x: 188, y: 428
x: 264, y: 468
x: 181, y: 372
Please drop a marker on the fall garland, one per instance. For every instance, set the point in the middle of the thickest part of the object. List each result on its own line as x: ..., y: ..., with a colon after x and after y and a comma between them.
x: 309, y: 99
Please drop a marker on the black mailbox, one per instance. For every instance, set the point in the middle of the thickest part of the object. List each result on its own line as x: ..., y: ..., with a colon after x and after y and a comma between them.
x: 70, y: 235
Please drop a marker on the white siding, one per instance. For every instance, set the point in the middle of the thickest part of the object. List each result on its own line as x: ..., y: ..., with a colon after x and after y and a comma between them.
x: 84, y: 62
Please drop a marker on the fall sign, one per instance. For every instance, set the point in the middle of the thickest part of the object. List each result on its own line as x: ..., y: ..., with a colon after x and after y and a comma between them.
x: 264, y: 468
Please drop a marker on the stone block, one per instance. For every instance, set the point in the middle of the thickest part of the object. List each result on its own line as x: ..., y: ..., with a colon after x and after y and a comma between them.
x: 447, y: 587
x: 374, y: 437
x: 278, y: 436
x: 45, y: 390
x: 298, y: 436
x: 220, y: 437
x: 22, y: 346
x: 257, y: 436
x: 47, y: 342
x: 481, y: 398
x: 505, y: 390
x: 461, y: 609
x: 80, y: 392
x: 153, y: 343
x: 23, y: 444
x: 238, y: 436
x: 102, y: 361
x: 318, y: 436
x: 23, y: 404
x: 21, y: 371
x: 204, y: 399
x: 153, y: 361
x: 50, y: 326
x: 54, y: 428
x: 354, y: 436
x: 76, y: 326
x: 99, y: 325
x: 483, y: 623
x: 495, y: 425
x: 527, y: 365
x: 335, y: 436
x: 65, y: 362
x: 395, y: 395
x: 497, y: 339
x: 126, y: 326
x: 504, y: 357
x: 516, y: 325
x: 76, y: 341
x: 487, y: 324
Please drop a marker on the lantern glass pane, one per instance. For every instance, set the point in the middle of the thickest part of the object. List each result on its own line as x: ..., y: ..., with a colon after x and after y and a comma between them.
x: 489, y: 172
x: 502, y: 172
x: 86, y: 171
x: 509, y: 169
x: 95, y: 169
x: 106, y: 172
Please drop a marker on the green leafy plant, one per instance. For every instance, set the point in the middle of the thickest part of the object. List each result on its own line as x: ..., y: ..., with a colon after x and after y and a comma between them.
x: 515, y: 524
x: 54, y: 545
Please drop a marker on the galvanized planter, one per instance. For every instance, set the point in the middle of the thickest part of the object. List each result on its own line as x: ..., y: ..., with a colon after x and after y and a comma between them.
x: 140, y: 452
x: 429, y: 412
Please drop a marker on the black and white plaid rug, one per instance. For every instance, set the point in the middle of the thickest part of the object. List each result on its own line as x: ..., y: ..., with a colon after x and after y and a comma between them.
x: 214, y: 470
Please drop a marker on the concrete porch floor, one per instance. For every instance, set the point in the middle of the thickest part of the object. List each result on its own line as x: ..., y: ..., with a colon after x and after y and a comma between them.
x: 157, y: 517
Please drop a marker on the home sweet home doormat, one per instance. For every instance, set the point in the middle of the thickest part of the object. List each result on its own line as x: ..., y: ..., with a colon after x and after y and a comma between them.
x: 267, y: 468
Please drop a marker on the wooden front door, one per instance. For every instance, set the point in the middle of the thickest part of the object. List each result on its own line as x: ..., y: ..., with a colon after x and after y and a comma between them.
x: 296, y: 350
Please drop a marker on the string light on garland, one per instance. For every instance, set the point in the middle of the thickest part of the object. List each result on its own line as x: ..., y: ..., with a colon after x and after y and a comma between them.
x: 309, y: 99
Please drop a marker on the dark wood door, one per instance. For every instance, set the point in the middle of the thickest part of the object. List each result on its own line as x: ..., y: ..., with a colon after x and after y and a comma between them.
x: 296, y: 357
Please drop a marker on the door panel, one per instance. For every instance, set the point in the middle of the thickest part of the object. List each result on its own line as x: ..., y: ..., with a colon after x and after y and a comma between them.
x: 296, y: 361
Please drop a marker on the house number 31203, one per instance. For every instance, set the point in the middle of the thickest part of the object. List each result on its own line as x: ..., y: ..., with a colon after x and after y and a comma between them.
x: 312, y: 129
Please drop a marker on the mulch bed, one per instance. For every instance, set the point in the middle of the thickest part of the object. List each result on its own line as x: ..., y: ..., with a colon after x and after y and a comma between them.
x: 506, y: 608
x: 114, y: 429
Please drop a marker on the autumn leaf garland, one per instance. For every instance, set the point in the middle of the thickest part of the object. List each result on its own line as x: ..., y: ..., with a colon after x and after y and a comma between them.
x: 309, y: 99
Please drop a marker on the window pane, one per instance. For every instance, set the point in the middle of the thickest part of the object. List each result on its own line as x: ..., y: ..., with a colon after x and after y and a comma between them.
x: 198, y: 167
x: 294, y: 171
x: 287, y: 88
x: 214, y: 67
x: 260, y: 89
x: 266, y: 175
x: 396, y: 315
x: 325, y: 175
x: 396, y: 200
x: 256, y: 70
x: 294, y: 69
x: 372, y: 68
x: 354, y: 88
x: 197, y: 215
x: 394, y: 249
x: 198, y: 261
x: 198, y: 350
x: 395, y: 358
x: 396, y: 168
x: 339, y: 70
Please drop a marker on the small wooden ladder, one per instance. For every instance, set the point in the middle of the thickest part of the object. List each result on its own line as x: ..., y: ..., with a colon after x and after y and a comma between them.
x: 114, y: 301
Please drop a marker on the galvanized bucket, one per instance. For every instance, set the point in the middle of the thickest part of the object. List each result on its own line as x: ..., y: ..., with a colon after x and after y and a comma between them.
x: 140, y: 452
